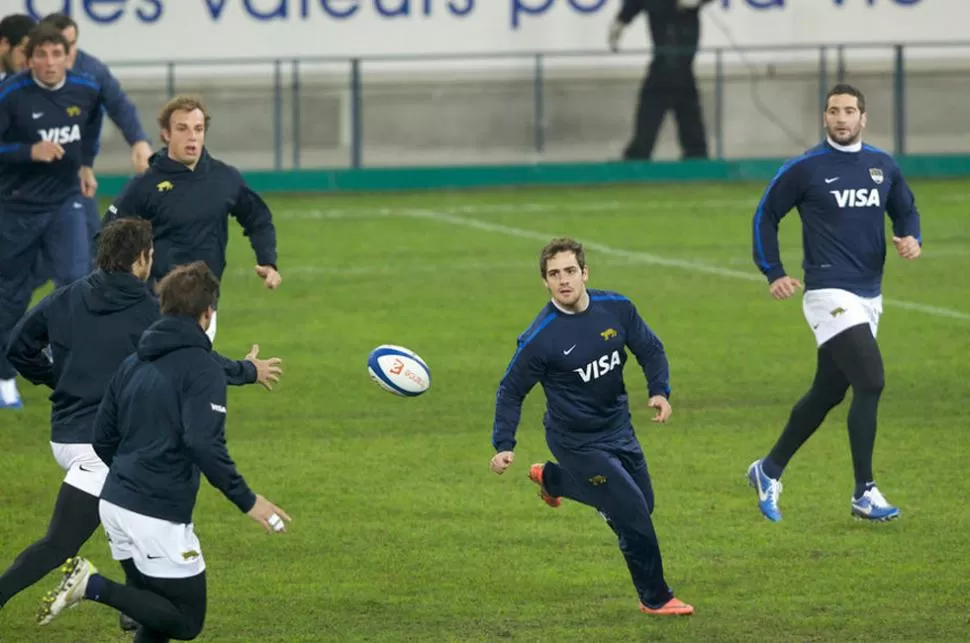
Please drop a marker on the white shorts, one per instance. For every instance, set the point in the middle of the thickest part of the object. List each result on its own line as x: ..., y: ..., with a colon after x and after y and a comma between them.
x: 159, y: 548
x: 84, y: 468
x: 829, y: 311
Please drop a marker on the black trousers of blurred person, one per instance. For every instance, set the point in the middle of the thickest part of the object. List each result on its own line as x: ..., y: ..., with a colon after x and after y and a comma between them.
x: 670, y: 85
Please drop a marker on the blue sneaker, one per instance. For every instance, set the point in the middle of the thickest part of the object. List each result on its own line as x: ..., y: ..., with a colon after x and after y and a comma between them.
x: 874, y: 507
x: 768, y: 491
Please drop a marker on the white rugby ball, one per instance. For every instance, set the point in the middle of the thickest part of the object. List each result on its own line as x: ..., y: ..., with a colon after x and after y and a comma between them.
x: 399, y: 370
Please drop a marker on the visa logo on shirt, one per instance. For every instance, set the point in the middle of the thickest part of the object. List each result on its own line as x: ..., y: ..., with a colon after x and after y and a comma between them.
x: 598, y: 368
x: 67, y: 134
x: 861, y: 198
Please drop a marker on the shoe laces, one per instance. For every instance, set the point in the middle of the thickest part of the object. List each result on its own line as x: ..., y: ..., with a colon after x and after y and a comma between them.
x: 876, y: 497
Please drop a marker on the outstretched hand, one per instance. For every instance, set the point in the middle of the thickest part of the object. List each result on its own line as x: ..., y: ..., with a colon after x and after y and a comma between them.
x: 268, y: 371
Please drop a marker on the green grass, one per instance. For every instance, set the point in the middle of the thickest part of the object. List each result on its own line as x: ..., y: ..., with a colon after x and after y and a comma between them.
x: 401, y: 533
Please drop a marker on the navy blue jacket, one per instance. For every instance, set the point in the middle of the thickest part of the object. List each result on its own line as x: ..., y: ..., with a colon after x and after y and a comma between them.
x: 91, y: 326
x: 578, y: 359
x: 189, y: 211
x: 162, y: 422
x: 30, y: 113
x: 842, y: 198
x: 118, y: 106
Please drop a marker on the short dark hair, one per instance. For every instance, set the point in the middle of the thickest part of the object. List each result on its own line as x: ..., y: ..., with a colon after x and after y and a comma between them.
x: 556, y: 246
x: 44, y: 34
x: 15, y: 27
x: 122, y: 242
x: 60, y: 20
x: 844, y: 89
x: 189, y: 290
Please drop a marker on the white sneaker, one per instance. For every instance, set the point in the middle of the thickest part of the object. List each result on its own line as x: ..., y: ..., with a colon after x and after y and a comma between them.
x: 9, y: 395
x: 69, y: 592
x: 874, y: 506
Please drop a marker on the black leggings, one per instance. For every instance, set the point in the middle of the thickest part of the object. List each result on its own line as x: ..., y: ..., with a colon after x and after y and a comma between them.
x: 74, y: 519
x: 851, y: 358
x: 165, y: 608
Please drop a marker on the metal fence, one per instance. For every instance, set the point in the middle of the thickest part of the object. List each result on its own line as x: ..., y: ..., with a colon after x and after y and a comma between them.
x: 545, y: 107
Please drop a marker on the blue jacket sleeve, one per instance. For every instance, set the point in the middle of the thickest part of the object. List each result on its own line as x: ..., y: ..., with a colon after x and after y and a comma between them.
x: 10, y: 152
x: 204, y: 419
x: 783, y: 193
x: 522, y: 374
x: 106, y: 435
x: 237, y: 372
x: 648, y: 350
x: 91, y: 138
x: 121, y: 110
x: 257, y: 222
x: 901, y: 207
x: 28, y: 339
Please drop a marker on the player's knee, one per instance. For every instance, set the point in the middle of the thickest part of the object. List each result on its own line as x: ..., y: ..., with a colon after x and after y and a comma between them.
x: 61, y: 545
x: 871, y: 382
x: 191, y: 628
x: 827, y: 397
x: 834, y: 397
x: 871, y: 388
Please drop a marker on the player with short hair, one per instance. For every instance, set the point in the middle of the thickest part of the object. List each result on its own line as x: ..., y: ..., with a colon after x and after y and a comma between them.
x: 117, y: 106
x: 842, y: 190
x: 91, y: 325
x: 189, y: 196
x: 120, y: 109
x: 575, y: 349
x: 162, y: 423
x: 49, y: 123
x: 13, y: 43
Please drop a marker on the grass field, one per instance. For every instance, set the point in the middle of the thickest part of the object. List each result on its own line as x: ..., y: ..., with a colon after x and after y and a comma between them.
x: 400, y: 532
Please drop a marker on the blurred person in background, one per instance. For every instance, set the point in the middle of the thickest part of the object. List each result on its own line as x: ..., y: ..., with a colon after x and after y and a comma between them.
x: 670, y: 84
x: 117, y: 106
x: 49, y: 123
x: 13, y: 42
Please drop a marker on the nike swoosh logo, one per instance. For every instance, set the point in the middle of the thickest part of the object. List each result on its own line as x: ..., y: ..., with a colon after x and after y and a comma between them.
x: 81, y: 467
x: 150, y: 557
x: 36, y: 115
x: 762, y: 492
x: 832, y: 180
x: 567, y: 352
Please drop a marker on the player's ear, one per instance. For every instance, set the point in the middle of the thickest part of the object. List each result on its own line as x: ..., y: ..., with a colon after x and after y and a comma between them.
x: 863, y: 119
x: 585, y: 273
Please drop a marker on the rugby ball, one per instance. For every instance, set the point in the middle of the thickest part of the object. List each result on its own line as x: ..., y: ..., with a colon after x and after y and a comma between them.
x: 399, y: 370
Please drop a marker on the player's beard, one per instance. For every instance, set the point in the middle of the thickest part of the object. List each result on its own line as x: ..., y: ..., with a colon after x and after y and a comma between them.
x: 846, y: 139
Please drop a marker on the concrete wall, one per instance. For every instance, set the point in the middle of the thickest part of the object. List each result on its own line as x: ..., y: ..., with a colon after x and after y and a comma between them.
x: 446, y: 116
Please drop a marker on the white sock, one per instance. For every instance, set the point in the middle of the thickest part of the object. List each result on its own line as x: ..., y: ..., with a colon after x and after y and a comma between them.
x: 8, y: 391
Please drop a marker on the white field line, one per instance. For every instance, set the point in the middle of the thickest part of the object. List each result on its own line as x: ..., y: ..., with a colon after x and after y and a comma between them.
x: 517, y: 208
x: 648, y: 258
